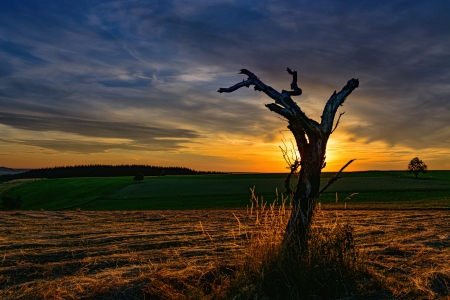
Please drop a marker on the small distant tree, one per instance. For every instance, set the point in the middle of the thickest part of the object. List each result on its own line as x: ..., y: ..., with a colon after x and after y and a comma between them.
x: 139, y: 177
x: 9, y: 203
x: 417, y: 166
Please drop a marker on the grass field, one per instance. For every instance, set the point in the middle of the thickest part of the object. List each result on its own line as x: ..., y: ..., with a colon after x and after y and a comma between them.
x: 180, y: 254
x: 390, y: 190
x: 54, y: 194
x: 368, y: 190
x: 13, y: 184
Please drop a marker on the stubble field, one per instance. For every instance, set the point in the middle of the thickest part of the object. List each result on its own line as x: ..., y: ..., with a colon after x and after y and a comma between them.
x: 192, y: 254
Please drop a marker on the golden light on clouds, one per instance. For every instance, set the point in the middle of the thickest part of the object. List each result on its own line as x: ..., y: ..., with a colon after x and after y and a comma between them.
x: 226, y: 152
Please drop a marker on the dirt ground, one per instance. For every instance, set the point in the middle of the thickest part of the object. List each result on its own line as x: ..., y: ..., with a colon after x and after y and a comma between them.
x: 73, y: 254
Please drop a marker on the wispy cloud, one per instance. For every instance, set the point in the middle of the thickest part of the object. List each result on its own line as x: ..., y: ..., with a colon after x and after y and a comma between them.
x: 137, y: 136
x: 88, y: 147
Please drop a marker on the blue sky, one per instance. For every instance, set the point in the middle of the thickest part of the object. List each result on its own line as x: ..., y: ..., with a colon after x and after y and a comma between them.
x: 124, y: 82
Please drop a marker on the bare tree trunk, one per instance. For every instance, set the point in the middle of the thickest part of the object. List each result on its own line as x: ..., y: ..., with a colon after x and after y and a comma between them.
x: 311, y: 138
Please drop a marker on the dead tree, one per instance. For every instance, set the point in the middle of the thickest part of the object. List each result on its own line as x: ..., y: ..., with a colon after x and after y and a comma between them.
x: 311, y: 138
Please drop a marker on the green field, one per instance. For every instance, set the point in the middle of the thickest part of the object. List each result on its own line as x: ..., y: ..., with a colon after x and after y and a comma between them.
x: 390, y: 190
x: 13, y: 184
x: 374, y: 190
x: 54, y: 194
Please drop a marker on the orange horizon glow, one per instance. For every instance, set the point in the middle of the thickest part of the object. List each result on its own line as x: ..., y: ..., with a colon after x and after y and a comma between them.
x: 232, y: 154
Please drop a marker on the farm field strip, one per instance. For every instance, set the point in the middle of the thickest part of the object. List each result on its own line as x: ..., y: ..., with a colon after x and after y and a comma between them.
x: 53, y: 194
x: 13, y: 184
x: 80, y: 251
x: 356, y: 190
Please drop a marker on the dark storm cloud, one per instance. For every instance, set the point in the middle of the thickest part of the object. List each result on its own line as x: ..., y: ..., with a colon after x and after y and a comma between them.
x: 75, y: 66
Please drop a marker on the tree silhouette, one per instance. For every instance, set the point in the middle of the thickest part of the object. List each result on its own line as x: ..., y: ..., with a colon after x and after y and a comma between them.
x: 139, y: 177
x: 311, y: 138
x: 417, y: 166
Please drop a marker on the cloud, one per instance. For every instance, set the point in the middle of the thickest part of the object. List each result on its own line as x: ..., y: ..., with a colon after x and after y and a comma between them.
x: 137, y: 136
x: 149, y: 71
x: 89, y: 147
x: 418, y: 124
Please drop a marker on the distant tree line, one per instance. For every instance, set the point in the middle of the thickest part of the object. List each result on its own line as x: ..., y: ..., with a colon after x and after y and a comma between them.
x: 103, y: 171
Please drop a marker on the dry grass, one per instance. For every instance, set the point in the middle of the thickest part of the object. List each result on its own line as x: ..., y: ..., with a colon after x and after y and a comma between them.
x: 169, y: 255
x: 408, y: 252
x: 273, y: 267
x: 117, y: 255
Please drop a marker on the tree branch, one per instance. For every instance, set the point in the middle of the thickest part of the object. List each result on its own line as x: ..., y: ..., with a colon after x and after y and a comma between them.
x: 283, y: 105
x: 333, y: 104
x: 248, y: 73
x: 259, y: 86
x: 245, y: 83
x: 337, y: 123
x: 293, y: 162
x: 279, y: 110
x: 333, y: 179
x: 296, y: 91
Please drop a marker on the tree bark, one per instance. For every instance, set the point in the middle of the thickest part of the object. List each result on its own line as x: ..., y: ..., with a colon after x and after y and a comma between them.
x: 311, y: 138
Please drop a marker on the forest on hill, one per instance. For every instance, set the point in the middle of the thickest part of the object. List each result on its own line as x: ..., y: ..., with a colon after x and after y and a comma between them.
x: 102, y: 171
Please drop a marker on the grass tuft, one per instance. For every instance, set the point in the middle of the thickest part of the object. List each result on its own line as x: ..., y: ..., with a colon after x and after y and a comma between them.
x: 274, y: 268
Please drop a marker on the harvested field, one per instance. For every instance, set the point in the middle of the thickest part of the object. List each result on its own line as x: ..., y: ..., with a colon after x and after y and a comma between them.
x: 180, y: 254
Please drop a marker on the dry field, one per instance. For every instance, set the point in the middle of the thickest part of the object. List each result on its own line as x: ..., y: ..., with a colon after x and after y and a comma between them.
x: 191, y: 254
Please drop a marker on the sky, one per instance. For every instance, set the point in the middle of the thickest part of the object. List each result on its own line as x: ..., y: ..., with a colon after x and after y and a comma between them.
x: 135, y: 82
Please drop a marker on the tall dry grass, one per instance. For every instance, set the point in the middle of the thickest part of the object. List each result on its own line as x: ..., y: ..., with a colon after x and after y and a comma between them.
x: 273, y: 267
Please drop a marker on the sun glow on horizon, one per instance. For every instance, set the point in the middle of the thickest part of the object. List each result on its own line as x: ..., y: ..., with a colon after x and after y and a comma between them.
x: 228, y: 153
